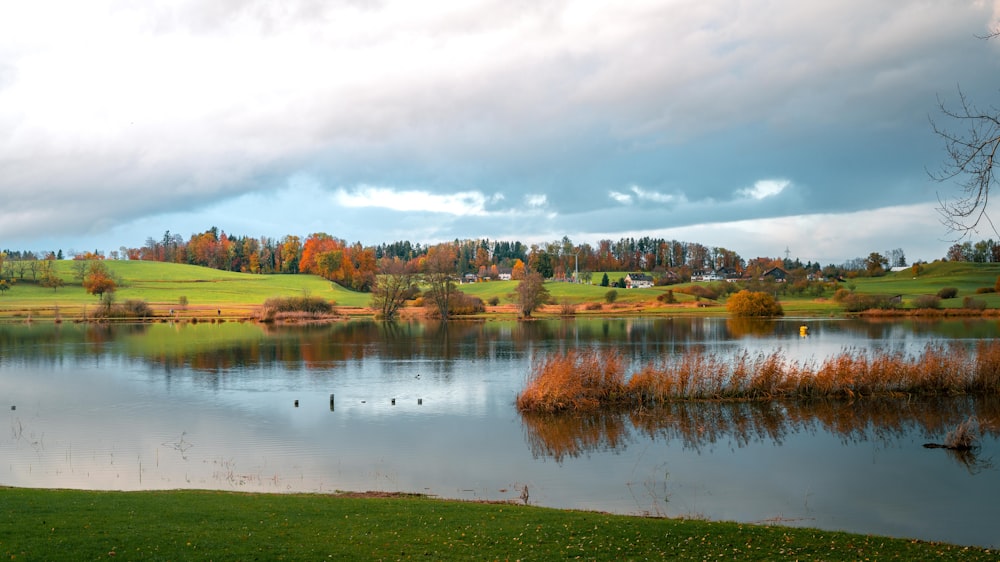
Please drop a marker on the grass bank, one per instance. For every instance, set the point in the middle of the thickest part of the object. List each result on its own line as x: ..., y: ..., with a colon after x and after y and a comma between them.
x: 185, y: 525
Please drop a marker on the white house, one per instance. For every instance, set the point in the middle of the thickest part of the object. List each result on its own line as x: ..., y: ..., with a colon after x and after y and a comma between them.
x: 638, y: 281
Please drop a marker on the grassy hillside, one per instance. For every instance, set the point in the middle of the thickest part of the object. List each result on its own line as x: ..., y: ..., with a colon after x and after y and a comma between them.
x: 236, y: 294
x: 964, y: 276
x: 163, y: 284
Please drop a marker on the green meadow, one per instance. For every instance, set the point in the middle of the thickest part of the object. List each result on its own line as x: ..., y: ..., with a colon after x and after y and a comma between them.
x: 201, y: 525
x: 165, y: 286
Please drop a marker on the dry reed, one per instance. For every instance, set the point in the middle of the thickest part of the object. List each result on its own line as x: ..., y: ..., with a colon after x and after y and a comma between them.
x: 590, y: 379
x: 575, y: 380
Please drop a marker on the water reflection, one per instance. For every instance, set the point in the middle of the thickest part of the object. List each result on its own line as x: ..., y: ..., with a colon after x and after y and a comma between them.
x: 234, y: 345
x: 698, y: 425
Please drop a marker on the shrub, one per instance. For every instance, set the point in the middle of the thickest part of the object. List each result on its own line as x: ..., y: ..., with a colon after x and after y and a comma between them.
x: 753, y: 304
x: 927, y: 301
x: 312, y: 305
x: 700, y: 291
x: 494, y: 300
x: 129, y: 309
x: 288, y: 307
x: 983, y: 290
x: 593, y: 306
x: 947, y: 293
x: 567, y: 308
x: 858, y: 303
x: 462, y: 304
x: 840, y: 295
x: 668, y: 297
x: 611, y: 296
x: 973, y: 304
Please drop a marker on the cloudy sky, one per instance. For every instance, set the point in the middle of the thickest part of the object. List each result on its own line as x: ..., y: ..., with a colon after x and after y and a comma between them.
x: 755, y: 126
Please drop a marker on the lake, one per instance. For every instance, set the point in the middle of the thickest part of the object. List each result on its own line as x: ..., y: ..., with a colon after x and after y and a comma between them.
x: 429, y: 408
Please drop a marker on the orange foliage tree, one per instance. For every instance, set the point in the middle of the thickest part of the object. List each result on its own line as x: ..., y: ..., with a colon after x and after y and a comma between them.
x: 517, y: 272
x: 352, y: 266
x: 97, y: 280
x: 316, y: 244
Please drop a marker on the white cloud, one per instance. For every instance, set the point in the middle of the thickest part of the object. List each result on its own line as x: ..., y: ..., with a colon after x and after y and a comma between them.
x: 623, y: 198
x: 536, y: 200
x: 459, y: 204
x: 763, y: 189
x: 654, y: 196
x: 641, y: 194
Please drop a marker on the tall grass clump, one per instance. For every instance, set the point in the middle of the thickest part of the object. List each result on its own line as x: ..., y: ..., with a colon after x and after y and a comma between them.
x: 963, y: 437
x: 578, y: 380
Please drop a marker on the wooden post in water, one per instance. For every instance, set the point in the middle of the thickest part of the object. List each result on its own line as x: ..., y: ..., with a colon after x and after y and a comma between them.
x: 331, y: 402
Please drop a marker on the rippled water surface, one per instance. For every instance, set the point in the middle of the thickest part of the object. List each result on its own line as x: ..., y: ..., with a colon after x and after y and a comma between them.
x: 428, y: 408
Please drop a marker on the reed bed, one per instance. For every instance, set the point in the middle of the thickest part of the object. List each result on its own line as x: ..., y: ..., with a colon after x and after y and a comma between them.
x: 585, y: 380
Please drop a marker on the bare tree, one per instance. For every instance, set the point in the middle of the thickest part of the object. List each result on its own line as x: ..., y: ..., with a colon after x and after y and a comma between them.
x: 531, y: 293
x: 971, y: 154
x: 439, y: 276
x: 394, y: 284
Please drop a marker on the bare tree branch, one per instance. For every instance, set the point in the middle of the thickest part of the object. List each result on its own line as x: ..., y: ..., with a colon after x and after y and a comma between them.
x: 971, y: 155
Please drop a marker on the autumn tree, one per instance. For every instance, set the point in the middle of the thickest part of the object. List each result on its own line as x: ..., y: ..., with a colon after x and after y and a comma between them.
x: 517, y: 272
x: 439, y: 277
x: 48, y: 277
x: 875, y: 264
x: 393, y: 286
x: 5, y: 285
x: 531, y: 293
x: 289, y: 253
x: 98, y: 280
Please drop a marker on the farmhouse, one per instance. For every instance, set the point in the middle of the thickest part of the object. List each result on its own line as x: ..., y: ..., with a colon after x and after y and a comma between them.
x: 638, y: 281
x: 775, y: 273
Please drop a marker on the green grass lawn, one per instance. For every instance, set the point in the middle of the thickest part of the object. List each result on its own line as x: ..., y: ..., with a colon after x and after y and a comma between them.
x: 200, y: 525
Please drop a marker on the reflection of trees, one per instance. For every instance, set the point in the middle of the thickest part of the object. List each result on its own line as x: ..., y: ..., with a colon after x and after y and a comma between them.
x: 230, y: 345
x: 741, y: 327
x: 698, y: 424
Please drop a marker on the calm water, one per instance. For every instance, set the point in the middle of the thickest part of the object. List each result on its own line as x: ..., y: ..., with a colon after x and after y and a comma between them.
x: 427, y: 408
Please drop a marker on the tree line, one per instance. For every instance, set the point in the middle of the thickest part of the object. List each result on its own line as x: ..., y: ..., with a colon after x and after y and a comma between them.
x: 355, y: 266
